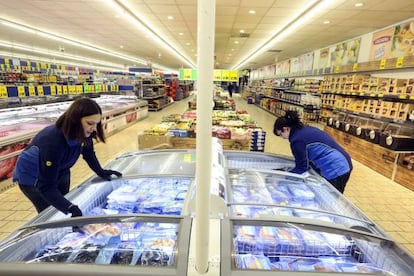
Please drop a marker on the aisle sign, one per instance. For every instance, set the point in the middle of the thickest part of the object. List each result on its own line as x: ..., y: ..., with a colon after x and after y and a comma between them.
x: 187, y: 74
x: 225, y: 75
x: 217, y: 75
x: 400, y: 62
x: 3, y: 91
x: 234, y: 75
x: 32, y: 92
x: 40, y: 90
x: 20, y: 92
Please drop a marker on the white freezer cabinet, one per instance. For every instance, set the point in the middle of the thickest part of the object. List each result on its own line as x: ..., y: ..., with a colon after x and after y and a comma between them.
x: 101, y: 245
x: 299, y: 247
x: 261, y: 194
x: 293, y: 225
x: 151, y: 195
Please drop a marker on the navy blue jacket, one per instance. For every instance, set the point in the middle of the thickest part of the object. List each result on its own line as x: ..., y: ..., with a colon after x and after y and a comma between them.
x: 314, y: 148
x: 48, y: 156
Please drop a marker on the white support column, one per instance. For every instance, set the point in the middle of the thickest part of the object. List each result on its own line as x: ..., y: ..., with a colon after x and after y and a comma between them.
x: 205, y: 66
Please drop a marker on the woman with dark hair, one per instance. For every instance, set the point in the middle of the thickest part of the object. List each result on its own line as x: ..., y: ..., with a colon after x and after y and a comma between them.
x: 312, y: 147
x: 42, y: 170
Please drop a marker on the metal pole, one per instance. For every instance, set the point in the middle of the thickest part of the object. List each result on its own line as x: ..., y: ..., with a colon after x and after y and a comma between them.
x: 205, y: 66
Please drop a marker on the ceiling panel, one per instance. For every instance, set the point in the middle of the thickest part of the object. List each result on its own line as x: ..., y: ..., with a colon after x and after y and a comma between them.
x: 94, y: 22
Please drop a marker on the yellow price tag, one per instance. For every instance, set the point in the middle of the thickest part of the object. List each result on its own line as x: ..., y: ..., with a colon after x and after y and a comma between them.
x: 32, y: 91
x: 53, y: 90
x: 355, y: 67
x: 72, y: 89
x: 380, y: 95
x: 372, y: 95
x: 59, y: 90
x: 361, y: 94
x: 97, y: 88
x: 400, y: 62
x: 65, y: 89
x: 337, y: 69
x: 20, y: 92
x: 3, y: 91
x: 40, y: 90
x: 383, y: 62
x: 403, y: 97
x: 412, y: 97
x: 79, y: 89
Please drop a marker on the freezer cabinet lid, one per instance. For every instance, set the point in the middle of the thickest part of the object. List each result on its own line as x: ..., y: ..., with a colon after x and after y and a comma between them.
x: 140, y: 245
x: 160, y: 162
x: 257, y: 160
x: 269, y: 247
x: 156, y: 195
x: 260, y: 194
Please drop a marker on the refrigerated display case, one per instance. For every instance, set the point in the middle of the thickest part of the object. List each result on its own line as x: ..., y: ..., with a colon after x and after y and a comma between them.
x: 18, y: 125
x: 101, y: 245
x: 273, y: 222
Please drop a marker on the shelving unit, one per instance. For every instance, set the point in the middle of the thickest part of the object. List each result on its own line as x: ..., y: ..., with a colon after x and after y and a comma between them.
x: 277, y: 96
x: 153, y: 90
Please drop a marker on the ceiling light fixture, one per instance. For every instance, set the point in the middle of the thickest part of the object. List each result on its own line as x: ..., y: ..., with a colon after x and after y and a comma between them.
x: 51, y: 36
x: 306, y: 13
x: 252, y: 11
x: 69, y: 41
x: 141, y: 24
x: 41, y: 51
x: 360, y: 4
x: 62, y: 62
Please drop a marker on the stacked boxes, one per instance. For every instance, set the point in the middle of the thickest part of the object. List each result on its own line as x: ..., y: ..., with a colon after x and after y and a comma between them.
x: 257, y: 140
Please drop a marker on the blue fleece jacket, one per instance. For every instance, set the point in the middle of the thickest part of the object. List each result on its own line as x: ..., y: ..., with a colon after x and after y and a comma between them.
x: 312, y: 147
x: 48, y: 156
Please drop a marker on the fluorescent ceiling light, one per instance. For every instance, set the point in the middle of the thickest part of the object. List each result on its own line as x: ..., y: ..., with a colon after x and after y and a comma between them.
x: 62, y: 62
x: 51, y: 36
x: 55, y: 53
x: 142, y: 24
x: 310, y: 10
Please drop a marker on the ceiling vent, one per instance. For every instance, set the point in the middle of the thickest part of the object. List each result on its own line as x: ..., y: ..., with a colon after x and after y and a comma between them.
x: 274, y: 51
x: 244, y: 35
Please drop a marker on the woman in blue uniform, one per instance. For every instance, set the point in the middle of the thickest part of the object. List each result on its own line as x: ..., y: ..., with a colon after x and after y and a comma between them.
x: 42, y: 170
x: 312, y: 147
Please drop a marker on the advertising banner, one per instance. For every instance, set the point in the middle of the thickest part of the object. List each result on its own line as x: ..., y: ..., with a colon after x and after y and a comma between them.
x: 403, y: 40
x: 381, y: 44
x: 345, y: 53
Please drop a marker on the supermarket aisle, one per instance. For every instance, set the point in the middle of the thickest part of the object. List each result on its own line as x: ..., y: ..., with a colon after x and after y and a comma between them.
x: 384, y: 201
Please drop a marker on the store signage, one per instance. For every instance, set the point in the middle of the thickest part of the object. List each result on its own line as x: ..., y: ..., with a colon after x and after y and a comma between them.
x: 219, y: 75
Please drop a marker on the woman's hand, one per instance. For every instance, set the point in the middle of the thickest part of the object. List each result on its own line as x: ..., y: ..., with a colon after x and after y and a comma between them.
x: 106, y: 174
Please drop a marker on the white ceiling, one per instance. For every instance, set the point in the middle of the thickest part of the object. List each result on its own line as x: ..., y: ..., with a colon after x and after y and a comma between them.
x: 94, y: 22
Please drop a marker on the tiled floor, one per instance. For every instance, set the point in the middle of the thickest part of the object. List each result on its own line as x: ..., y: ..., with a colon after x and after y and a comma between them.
x: 387, y: 203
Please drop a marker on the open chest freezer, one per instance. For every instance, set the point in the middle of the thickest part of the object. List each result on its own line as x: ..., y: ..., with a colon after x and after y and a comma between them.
x: 285, y: 224
x: 100, y: 245
x: 269, y: 221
